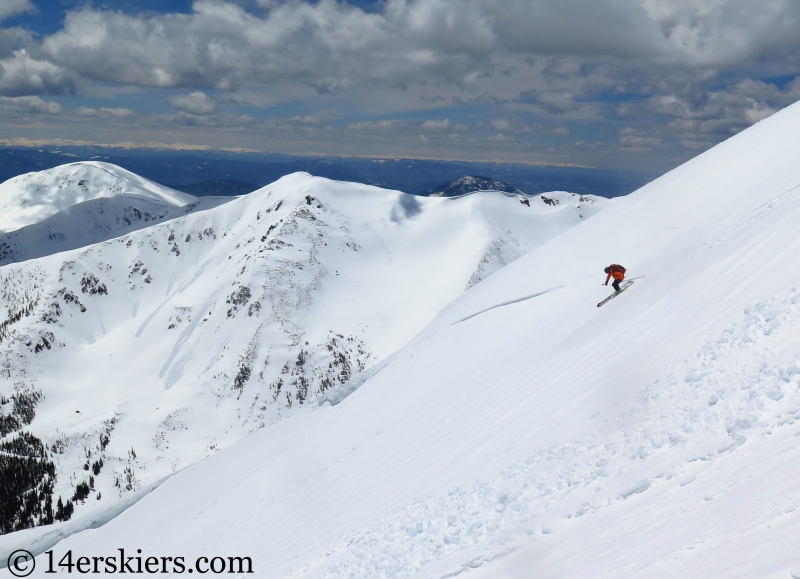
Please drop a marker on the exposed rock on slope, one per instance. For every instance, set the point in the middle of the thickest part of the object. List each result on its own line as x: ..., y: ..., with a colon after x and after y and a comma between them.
x: 92, y: 222
x: 470, y: 184
x: 159, y: 347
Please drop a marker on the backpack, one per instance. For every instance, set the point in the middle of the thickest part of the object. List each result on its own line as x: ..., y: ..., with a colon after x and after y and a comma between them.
x: 616, y: 267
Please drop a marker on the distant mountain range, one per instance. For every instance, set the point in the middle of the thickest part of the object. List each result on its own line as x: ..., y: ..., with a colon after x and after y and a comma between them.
x: 217, y: 188
x: 471, y: 183
x: 192, y: 171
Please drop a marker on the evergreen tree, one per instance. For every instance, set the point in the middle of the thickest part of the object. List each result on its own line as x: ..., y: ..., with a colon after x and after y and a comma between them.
x: 59, y: 510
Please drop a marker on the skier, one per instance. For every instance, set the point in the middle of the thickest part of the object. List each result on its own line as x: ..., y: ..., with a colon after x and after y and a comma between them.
x: 617, y: 272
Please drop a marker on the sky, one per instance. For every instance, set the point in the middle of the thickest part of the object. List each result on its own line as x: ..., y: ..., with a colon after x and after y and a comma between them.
x: 619, y: 84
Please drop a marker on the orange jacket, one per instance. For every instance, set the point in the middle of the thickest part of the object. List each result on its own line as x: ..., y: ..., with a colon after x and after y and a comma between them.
x: 616, y: 274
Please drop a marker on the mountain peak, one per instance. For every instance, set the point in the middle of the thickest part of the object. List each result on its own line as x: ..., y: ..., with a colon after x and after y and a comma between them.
x: 32, y: 197
x: 470, y: 184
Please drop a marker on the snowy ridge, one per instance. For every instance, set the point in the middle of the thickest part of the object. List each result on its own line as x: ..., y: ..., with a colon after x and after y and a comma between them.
x: 654, y: 437
x: 91, y: 222
x: 32, y: 197
x: 504, y: 249
x: 149, y: 351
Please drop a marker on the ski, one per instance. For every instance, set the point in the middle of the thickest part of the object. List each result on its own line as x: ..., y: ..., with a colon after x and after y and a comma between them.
x: 624, y: 286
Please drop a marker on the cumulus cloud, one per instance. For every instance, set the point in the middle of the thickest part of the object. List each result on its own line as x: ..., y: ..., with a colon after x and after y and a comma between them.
x: 696, y: 144
x: 717, y: 112
x: 767, y: 92
x: 306, y: 120
x: 725, y: 32
x: 437, y: 125
x: 513, y: 125
x: 371, y: 125
x: 12, y: 7
x: 568, y: 67
x: 631, y: 139
x: 196, y: 103
x: 409, y: 126
x: 20, y: 74
x: 231, y: 122
x: 105, y: 112
x: 334, y: 46
x: 555, y: 102
x: 31, y: 104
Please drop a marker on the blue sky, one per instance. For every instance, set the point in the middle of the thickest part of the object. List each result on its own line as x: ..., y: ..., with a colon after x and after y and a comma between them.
x: 630, y: 84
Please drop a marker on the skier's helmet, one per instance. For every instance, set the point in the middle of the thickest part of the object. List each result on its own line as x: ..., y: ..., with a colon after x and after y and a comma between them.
x: 607, y: 270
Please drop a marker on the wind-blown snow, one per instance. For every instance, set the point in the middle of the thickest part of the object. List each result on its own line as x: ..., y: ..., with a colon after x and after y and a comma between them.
x: 654, y: 437
x: 32, y: 197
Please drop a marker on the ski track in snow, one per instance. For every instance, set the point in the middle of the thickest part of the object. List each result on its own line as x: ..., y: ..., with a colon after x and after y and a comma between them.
x: 753, y: 391
x: 743, y: 222
x: 508, y: 303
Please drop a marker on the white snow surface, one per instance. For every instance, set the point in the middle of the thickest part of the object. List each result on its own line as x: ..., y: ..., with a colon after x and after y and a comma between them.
x: 180, y: 338
x: 91, y: 222
x: 656, y: 437
x: 32, y: 197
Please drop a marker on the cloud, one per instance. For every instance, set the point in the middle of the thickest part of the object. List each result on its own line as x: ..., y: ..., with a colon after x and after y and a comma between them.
x: 40, y: 142
x: 555, y: 102
x: 196, y: 103
x: 718, y: 112
x: 437, y: 125
x: 634, y: 140
x: 435, y: 99
x: 31, y: 104
x: 106, y: 112
x: 235, y: 122
x: 306, y: 120
x: 20, y: 75
x: 696, y: 144
x: 12, y: 7
x: 371, y: 125
x: 767, y: 92
x: 720, y: 33
x: 565, y: 68
x: 513, y: 125
x: 324, y: 45
x: 334, y: 46
x: 408, y: 127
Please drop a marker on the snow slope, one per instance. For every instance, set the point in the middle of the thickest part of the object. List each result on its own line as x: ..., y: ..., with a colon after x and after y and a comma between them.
x: 92, y: 222
x: 145, y: 353
x: 32, y: 197
x: 654, y: 437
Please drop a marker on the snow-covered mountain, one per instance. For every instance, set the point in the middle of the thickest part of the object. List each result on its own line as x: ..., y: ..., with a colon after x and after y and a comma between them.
x: 91, y: 222
x: 470, y: 184
x: 32, y: 197
x: 135, y: 357
x: 525, y: 432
